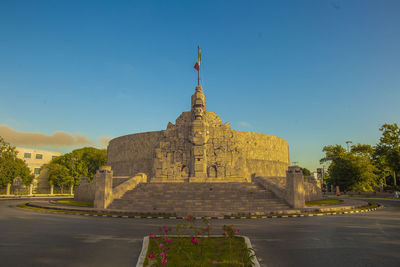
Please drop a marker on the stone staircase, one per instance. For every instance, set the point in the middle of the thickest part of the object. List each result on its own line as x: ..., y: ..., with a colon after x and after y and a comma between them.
x: 200, y: 199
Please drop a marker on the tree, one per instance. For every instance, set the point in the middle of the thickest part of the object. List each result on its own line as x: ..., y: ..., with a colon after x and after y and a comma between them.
x: 12, y: 167
x: 388, y: 149
x: 363, y: 150
x: 59, y: 175
x: 352, y: 171
x: 306, y: 172
x: 81, y: 162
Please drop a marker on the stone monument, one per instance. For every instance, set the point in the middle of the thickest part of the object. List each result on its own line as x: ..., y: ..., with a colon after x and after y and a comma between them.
x: 198, y: 148
x: 198, y: 166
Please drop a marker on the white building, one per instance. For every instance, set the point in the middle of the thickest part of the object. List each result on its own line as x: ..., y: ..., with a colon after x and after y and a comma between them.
x: 35, y: 159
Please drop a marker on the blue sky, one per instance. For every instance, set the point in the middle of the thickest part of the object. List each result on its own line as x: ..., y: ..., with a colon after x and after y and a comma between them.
x: 312, y: 72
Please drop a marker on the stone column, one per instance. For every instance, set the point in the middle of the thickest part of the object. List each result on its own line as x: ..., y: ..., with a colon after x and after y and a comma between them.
x: 31, y: 189
x: 199, y: 139
x: 199, y: 134
x: 103, y: 195
x: 52, y: 189
x: 8, y: 189
x: 295, y: 187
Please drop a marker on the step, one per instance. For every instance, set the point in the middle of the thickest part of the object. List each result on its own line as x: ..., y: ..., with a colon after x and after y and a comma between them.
x: 223, y: 198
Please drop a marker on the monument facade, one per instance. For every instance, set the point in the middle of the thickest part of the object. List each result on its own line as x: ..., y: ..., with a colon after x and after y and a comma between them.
x: 198, y: 148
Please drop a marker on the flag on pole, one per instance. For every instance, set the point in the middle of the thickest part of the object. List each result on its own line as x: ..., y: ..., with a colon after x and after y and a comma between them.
x: 197, y: 65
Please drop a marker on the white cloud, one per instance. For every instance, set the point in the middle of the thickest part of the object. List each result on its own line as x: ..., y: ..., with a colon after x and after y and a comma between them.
x: 57, y: 139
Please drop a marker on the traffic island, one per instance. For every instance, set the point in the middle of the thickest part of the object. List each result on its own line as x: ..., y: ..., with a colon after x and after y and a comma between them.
x: 193, y: 245
x: 347, y: 206
x: 202, y: 250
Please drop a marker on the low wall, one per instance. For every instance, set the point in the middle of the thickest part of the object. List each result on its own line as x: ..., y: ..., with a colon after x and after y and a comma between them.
x: 312, y: 191
x: 279, y: 186
x: 85, y: 191
x: 274, y: 184
x: 129, y: 184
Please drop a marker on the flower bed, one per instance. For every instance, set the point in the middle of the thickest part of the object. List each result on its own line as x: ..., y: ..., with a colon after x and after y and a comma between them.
x: 198, y: 248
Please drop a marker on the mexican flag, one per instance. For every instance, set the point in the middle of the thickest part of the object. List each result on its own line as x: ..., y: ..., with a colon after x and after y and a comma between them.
x: 197, y: 65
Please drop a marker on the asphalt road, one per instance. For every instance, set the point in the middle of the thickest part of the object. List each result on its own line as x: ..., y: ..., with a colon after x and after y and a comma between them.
x: 30, y: 238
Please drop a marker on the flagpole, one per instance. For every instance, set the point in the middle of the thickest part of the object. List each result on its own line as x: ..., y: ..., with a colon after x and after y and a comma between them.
x: 198, y: 73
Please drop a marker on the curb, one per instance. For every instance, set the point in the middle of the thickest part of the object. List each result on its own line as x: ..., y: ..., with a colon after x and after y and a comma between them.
x: 149, y: 216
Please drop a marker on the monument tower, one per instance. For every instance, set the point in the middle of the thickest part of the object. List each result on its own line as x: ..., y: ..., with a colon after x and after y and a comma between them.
x: 199, y: 127
x: 199, y: 134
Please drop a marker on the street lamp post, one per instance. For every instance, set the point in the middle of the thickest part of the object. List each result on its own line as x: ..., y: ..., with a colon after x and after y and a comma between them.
x: 348, y: 147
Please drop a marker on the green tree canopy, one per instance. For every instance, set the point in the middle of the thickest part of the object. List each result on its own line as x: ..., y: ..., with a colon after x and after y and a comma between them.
x: 12, y: 167
x: 363, y: 150
x: 306, y: 172
x: 352, y: 171
x: 59, y: 175
x: 80, y: 162
x: 388, y: 149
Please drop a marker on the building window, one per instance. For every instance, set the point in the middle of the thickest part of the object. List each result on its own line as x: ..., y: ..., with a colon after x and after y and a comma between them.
x: 27, y: 155
x: 37, y: 171
x: 39, y: 156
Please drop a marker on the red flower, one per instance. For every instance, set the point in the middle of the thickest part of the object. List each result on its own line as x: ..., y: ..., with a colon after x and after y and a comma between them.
x: 151, y: 255
x: 163, y: 262
x: 195, y: 241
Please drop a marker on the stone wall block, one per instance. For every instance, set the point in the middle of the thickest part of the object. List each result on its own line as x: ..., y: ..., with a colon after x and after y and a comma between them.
x: 103, y: 195
x: 295, y: 190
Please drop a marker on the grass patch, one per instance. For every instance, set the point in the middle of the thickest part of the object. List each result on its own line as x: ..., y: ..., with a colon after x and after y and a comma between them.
x: 211, y: 251
x: 96, y: 213
x: 361, y: 196
x: 74, y: 202
x: 327, y: 201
